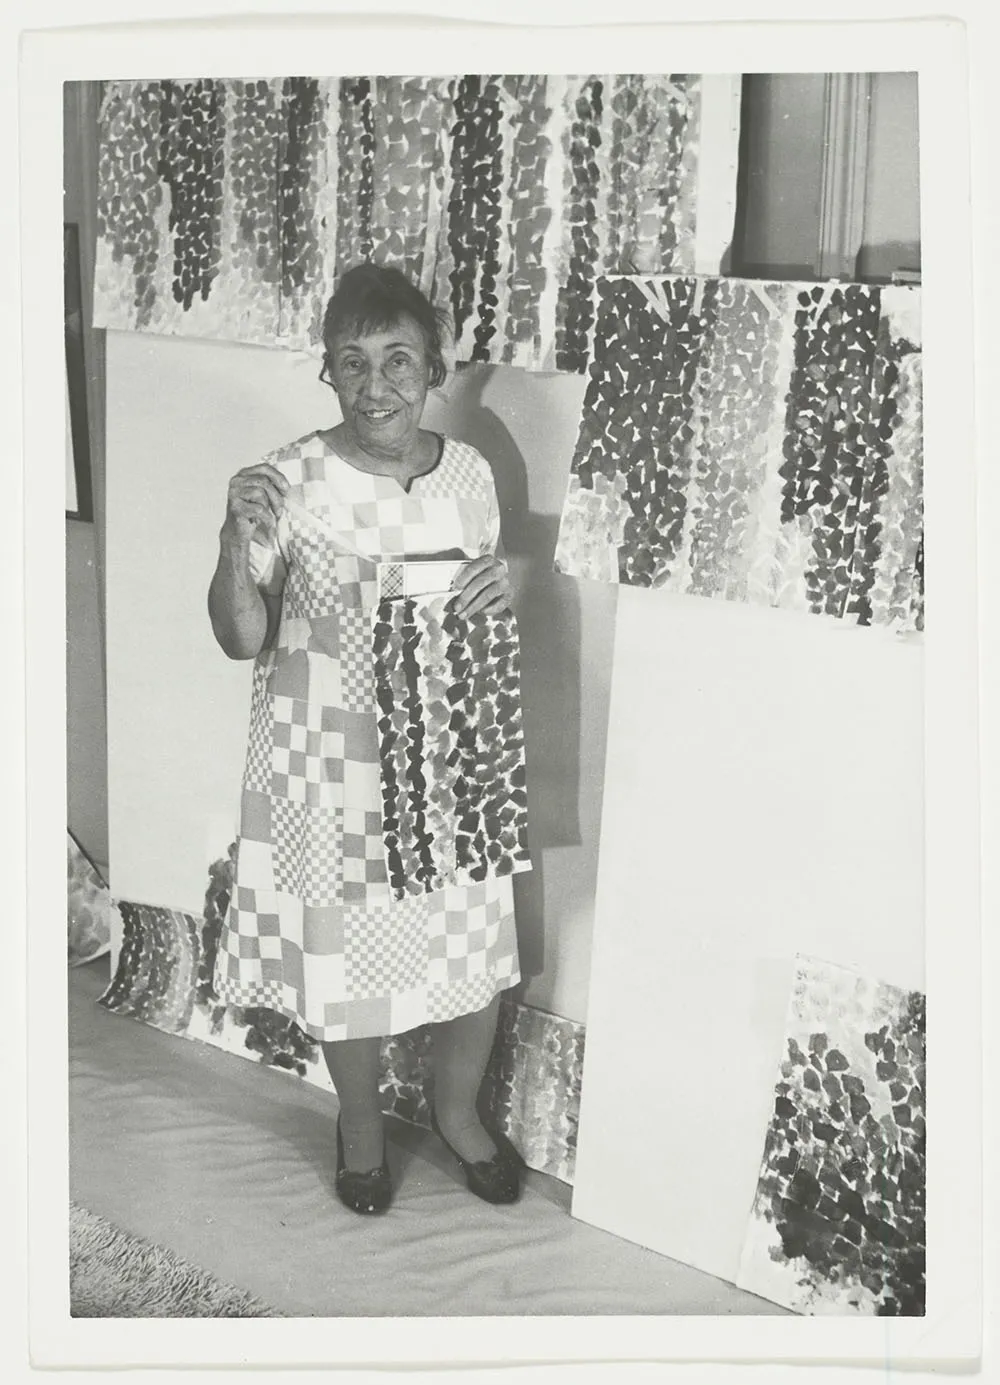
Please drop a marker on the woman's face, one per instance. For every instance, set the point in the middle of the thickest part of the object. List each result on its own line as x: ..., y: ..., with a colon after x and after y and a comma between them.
x: 381, y: 380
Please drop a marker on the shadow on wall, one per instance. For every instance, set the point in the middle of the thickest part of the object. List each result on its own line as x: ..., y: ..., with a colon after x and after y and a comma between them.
x: 548, y: 611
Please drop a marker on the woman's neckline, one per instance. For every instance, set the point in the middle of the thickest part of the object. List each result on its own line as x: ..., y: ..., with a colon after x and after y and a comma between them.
x: 385, y: 475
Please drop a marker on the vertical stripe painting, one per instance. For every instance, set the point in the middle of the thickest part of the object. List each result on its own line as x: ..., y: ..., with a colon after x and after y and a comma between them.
x: 753, y: 441
x: 451, y: 746
x: 227, y: 208
x: 837, y: 1224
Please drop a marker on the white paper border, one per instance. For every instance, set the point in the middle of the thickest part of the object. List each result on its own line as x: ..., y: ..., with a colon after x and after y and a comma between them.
x: 935, y: 49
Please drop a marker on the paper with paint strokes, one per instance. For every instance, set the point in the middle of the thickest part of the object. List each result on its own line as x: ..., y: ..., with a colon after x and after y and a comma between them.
x: 837, y: 1224
x: 755, y: 442
x: 451, y: 745
x: 89, y: 907
x: 228, y: 208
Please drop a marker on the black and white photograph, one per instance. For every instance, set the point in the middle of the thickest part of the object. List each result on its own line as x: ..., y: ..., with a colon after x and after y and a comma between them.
x: 497, y: 694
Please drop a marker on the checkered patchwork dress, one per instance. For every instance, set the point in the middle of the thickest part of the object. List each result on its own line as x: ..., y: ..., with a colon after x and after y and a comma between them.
x: 313, y: 931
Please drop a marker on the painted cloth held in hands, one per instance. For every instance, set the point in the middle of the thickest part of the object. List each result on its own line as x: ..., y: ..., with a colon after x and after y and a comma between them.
x: 452, y: 745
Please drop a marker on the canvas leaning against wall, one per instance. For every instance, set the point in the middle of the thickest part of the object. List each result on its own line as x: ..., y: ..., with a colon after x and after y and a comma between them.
x: 227, y: 209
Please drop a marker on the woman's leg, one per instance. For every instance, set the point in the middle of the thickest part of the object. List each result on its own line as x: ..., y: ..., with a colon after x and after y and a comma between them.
x: 354, y: 1068
x: 461, y: 1051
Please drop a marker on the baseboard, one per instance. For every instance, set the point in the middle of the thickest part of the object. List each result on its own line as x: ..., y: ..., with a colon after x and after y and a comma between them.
x: 163, y: 976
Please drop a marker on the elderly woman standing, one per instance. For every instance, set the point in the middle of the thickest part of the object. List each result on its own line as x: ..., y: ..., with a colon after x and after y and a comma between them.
x: 313, y: 930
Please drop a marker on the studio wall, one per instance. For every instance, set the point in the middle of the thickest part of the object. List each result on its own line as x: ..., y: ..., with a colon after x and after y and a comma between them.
x: 782, y: 161
x: 892, y: 205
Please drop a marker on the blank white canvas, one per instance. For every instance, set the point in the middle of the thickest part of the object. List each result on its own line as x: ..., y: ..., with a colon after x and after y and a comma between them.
x: 763, y: 797
x: 183, y: 416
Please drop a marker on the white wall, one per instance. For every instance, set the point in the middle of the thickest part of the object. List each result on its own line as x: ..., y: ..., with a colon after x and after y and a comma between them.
x: 184, y: 415
x: 764, y: 797
x: 892, y: 185
x: 784, y: 158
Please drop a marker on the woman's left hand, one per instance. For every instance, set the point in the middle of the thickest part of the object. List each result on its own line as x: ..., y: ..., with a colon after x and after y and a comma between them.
x: 482, y: 585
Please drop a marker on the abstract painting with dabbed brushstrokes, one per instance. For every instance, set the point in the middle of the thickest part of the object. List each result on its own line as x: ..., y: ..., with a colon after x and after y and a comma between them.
x: 838, y: 1218
x: 754, y: 441
x: 451, y: 749
x: 228, y: 208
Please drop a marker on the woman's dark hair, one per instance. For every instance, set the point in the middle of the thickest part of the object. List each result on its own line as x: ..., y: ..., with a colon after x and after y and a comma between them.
x: 372, y: 298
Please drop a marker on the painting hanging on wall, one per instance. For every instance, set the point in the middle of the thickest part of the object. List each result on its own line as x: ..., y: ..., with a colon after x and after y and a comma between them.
x: 162, y: 975
x: 227, y: 209
x: 754, y: 441
x: 837, y: 1224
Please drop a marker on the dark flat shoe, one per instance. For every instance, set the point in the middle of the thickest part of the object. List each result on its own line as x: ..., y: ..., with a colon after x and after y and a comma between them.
x: 494, y: 1180
x: 366, y: 1193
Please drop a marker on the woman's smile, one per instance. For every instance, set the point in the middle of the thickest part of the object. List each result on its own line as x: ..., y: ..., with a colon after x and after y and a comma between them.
x: 381, y: 378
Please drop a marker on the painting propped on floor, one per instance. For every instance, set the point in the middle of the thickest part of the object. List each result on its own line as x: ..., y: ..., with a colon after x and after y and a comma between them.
x: 838, y: 1218
x: 163, y: 976
x: 89, y: 907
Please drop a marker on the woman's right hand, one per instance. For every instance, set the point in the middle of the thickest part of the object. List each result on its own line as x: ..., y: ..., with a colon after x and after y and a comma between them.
x: 256, y: 499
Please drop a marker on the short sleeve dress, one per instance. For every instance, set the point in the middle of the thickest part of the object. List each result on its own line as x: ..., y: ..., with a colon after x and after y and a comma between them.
x: 313, y: 930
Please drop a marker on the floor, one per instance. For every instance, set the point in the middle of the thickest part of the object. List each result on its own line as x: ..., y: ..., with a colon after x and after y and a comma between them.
x: 231, y: 1166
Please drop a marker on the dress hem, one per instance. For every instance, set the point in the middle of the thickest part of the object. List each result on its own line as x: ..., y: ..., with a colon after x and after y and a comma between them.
x: 323, y: 1034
